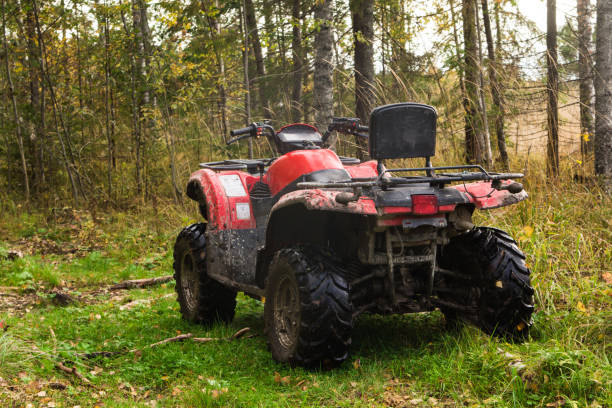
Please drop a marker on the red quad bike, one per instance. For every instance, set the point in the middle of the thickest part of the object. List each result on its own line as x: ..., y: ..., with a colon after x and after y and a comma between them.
x: 321, y: 238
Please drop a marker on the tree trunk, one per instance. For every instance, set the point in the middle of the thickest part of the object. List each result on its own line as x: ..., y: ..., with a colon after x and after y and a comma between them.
x: 141, y: 44
x: 473, y: 144
x: 298, y: 61
x: 603, y: 95
x: 362, y: 12
x: 247, y: 83
x: 24, y: 167
x: 251, y: 22
x: 464, y: 100
x: 134, y: 100
x: 496, y: 90
x: 486, y: 135
x: 586, y: 77
x: 552, y: 150
x: 323, y: 66
x: 268, y: 34
x: 34, y: 116
x: 215, y: 31
x: 107, y: 105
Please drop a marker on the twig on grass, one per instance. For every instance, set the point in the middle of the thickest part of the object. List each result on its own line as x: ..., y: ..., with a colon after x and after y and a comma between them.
x: 101, y: 354
x: 73, y: 371
x: 136, y: 302
x: 180, y: 337
x: 62, y: 298
x: 239, y: 334
x: 141, y: 283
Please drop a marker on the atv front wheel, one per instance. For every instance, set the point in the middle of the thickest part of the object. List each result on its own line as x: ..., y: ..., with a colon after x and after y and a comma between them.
x: 307, y: 313
x: 495, y: 290
x: 202, y: 299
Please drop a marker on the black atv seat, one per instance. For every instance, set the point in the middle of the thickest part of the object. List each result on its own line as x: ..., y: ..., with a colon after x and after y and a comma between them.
x: 296, y: 137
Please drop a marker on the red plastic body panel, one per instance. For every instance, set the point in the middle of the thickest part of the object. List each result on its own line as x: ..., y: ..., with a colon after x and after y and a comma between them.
x: 485, y: 197
x: 221, y: 208
x: 362, y: 170
x: 316, y: 199
x: 292, y: 165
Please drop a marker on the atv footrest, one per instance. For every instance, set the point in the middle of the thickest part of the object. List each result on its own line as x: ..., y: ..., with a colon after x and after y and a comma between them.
x: 380, y: 259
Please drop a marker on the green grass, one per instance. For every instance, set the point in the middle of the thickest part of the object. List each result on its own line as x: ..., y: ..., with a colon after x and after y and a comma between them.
x: 410, y: 360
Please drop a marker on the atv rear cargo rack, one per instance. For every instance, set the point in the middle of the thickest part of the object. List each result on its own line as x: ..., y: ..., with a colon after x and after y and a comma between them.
x: 432, y: 178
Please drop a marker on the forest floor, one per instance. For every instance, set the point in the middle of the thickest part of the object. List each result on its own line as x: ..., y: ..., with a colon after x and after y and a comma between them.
x: 56, y: 306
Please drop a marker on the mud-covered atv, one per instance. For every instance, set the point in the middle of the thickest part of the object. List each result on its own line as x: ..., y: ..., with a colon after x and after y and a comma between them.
x: 321, y: 238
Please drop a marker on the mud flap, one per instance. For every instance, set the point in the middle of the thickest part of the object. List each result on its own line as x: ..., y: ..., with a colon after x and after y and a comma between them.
x: 232, y: 254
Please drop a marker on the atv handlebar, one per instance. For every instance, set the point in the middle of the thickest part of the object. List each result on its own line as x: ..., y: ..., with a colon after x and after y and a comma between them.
x: 253, y: 130
x: 242, y: 131
x: 349, y: 126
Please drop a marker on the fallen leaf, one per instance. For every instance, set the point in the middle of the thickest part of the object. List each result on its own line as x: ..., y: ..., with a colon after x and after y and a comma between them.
x: 558, y: 403
x: 357, y: 364
x: 607, y: 277
x: 57, y: 386
x: 277, y: 378
x: 176, y: 391
x: 580, y: 306
x: 43, y: 393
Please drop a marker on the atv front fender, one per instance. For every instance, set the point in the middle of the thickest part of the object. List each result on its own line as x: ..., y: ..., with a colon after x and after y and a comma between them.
x: 206, y: 187
x: 485, y: 197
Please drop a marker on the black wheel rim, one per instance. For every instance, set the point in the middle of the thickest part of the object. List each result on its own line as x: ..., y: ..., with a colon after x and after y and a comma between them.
x: 286, y: 312
x: 189, y: 281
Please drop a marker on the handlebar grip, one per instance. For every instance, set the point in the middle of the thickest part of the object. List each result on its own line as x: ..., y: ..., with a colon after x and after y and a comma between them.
x: 244, y: 136
x: 241, y: 131
x: 362, y: 128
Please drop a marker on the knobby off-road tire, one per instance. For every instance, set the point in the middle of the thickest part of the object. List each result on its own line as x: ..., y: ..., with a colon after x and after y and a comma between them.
x: 202, y: 299
x: 308, y: 315
x: 498, y: 294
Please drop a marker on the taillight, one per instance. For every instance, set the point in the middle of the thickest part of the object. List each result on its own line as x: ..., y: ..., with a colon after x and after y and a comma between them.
x: 424, y: 204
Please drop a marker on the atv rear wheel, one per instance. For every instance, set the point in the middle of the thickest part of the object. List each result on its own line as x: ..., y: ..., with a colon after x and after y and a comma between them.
x: 307, y: 313
x: 202, y: 299
x: 497, y: 295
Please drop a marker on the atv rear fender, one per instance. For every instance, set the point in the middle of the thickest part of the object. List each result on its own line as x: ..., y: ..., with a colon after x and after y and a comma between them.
x: 485, y: 197
x: 314, y: 217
